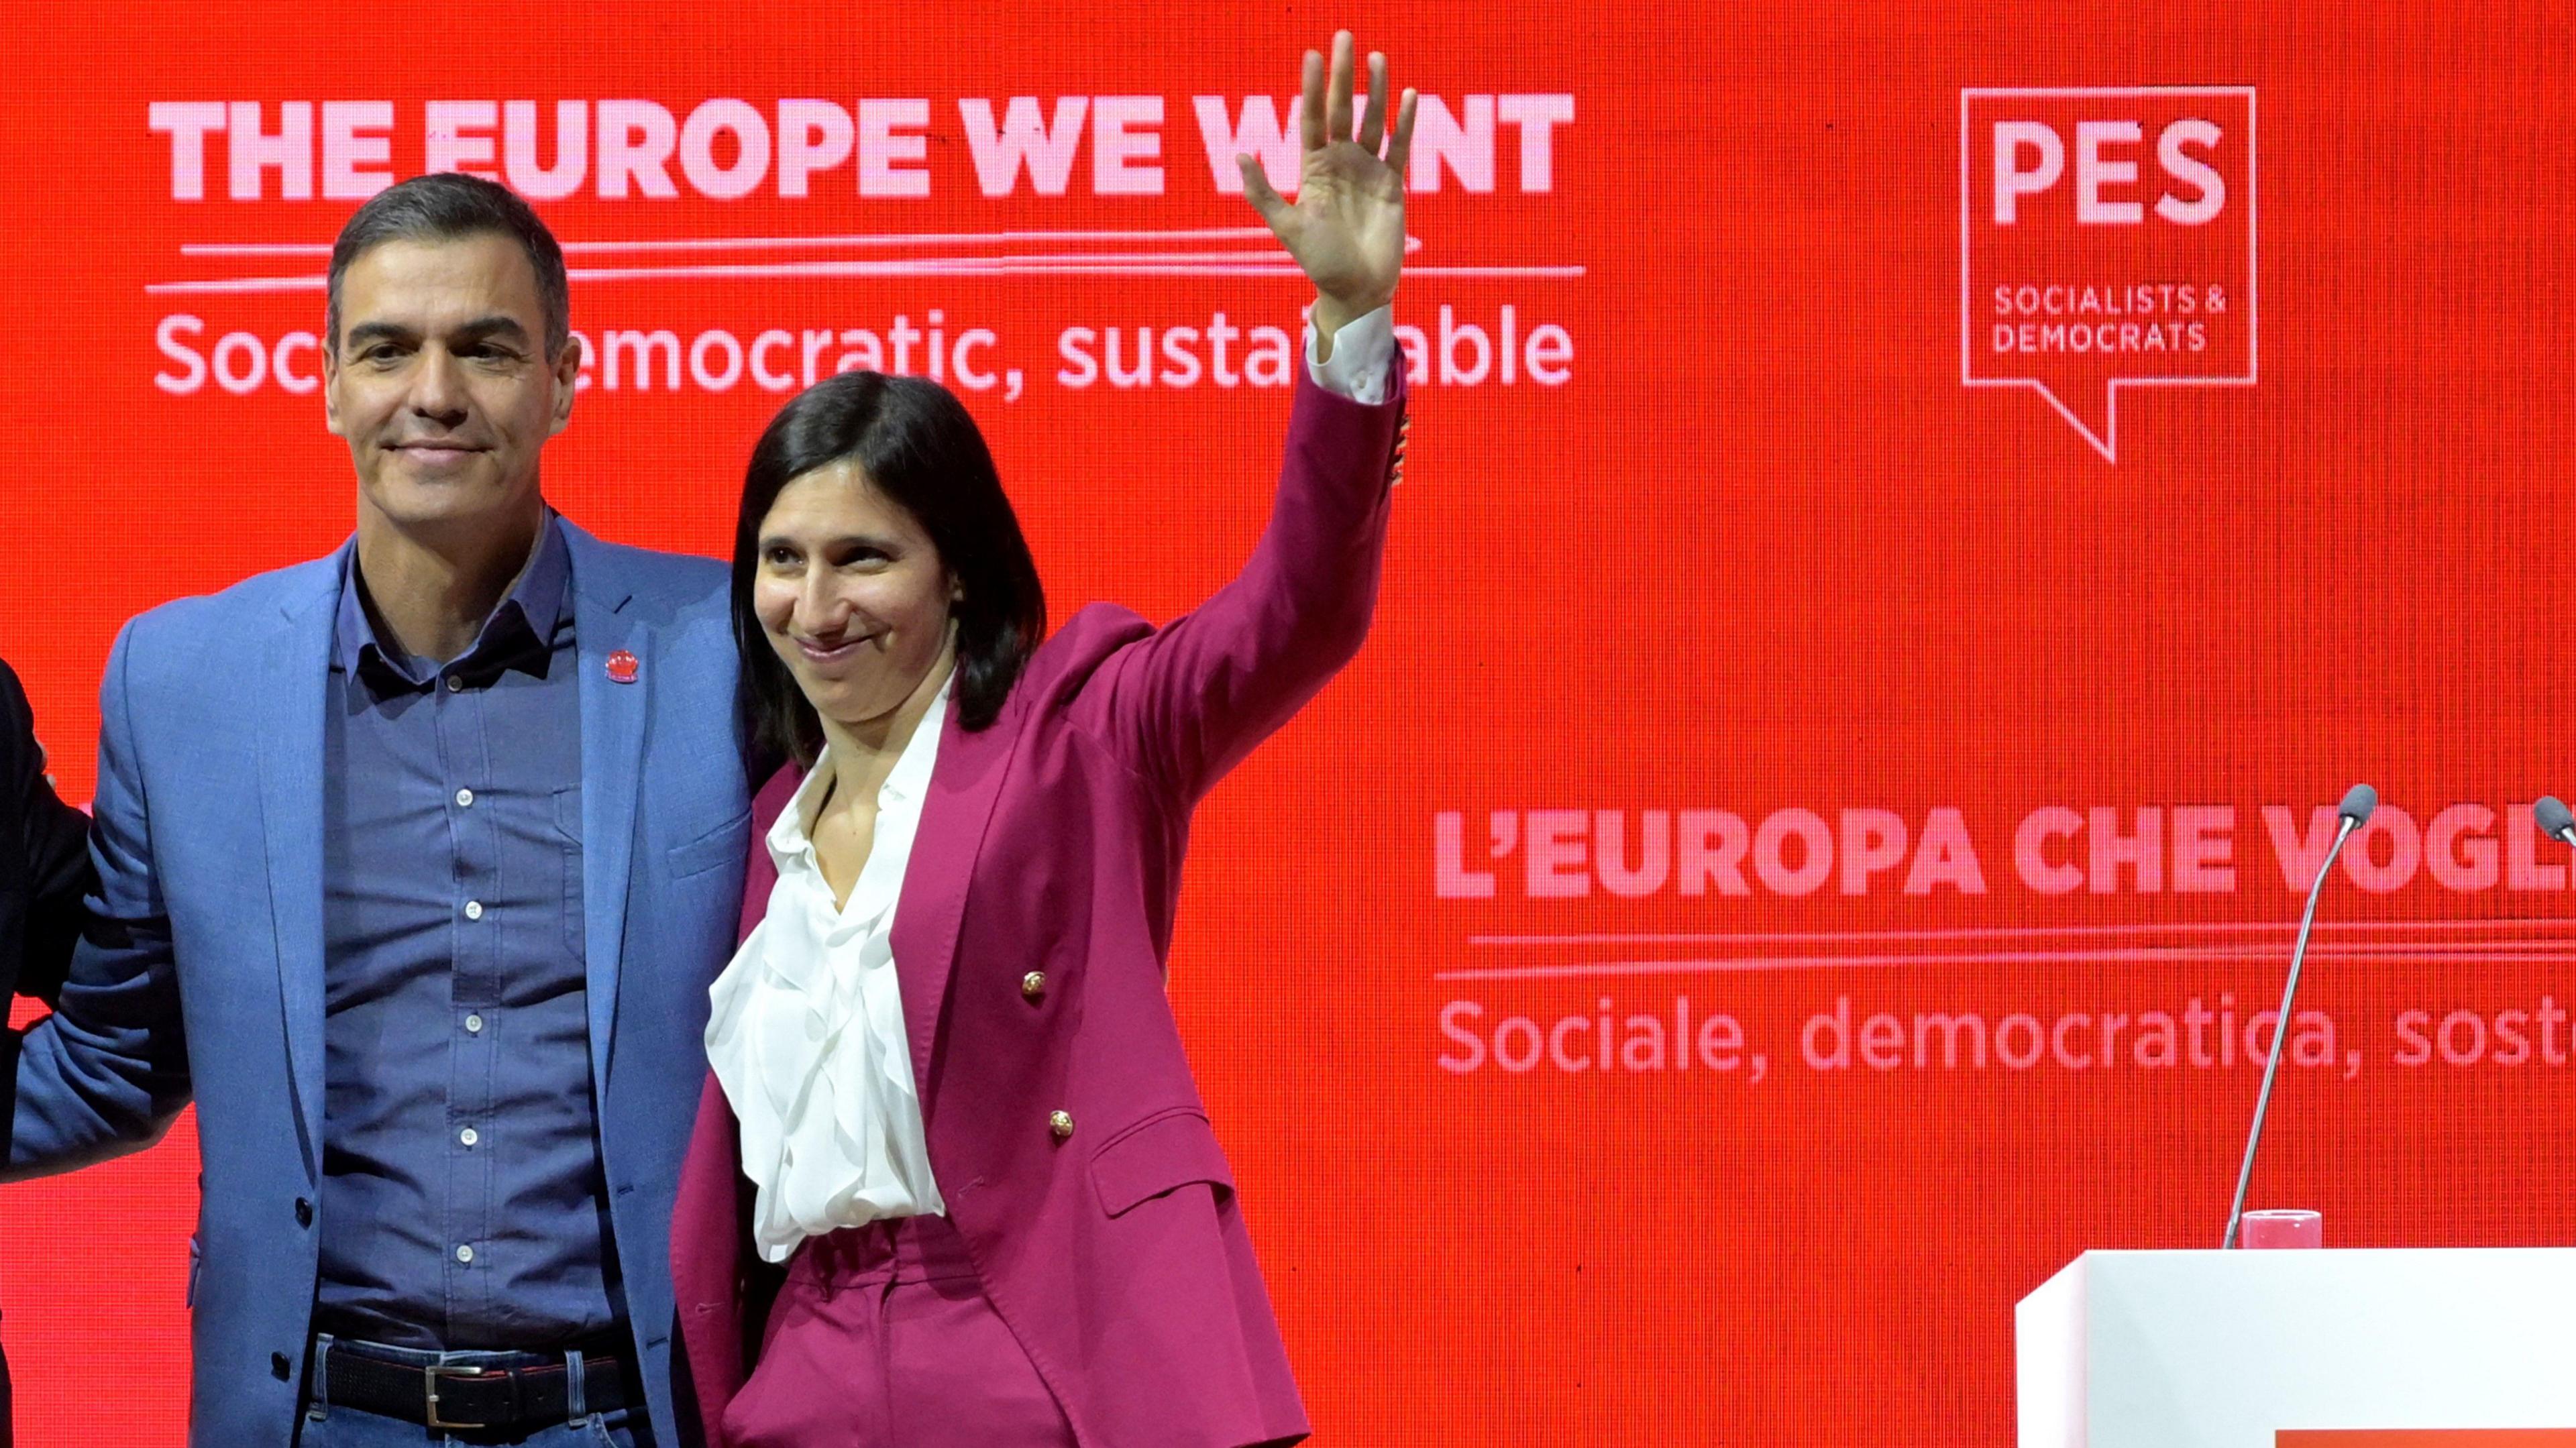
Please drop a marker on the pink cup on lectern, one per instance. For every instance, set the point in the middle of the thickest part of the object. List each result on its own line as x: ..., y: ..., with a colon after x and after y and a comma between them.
x: 2283, y: 1227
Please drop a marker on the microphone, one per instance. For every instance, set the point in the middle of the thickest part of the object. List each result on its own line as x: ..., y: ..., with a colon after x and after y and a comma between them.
x: 2554, y: 819
x: 2358, y: 802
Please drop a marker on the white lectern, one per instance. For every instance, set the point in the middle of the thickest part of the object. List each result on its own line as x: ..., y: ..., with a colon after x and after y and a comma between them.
x: 2224, y: 1349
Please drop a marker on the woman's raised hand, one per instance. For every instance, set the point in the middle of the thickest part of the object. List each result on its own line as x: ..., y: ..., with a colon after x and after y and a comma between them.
x: 1346, y: 227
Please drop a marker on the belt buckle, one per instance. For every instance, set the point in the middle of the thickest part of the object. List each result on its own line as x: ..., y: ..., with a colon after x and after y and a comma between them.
x: 430, y: 1377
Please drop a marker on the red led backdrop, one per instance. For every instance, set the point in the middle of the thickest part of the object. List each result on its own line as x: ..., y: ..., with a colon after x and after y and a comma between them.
x: 1805, y: 849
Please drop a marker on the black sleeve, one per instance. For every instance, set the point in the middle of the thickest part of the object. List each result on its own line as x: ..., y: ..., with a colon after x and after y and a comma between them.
x: 8, y: 1091
x: 54, y: 841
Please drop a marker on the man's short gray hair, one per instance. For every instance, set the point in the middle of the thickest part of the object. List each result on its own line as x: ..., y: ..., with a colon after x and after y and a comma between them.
x: 445, y: 206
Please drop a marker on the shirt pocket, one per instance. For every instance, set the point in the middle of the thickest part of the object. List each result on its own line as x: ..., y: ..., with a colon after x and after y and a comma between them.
x: 1160, y: 1154
x: 567, y: 818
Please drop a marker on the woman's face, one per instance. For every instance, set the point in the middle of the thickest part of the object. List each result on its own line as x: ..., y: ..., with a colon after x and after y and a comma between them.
x: 852, y: 594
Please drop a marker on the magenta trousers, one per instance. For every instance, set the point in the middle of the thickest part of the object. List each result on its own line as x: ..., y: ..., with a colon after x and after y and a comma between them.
x: 881, y: 1335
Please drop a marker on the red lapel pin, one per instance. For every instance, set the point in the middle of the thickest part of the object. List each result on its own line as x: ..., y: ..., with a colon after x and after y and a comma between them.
x: 622, y: 667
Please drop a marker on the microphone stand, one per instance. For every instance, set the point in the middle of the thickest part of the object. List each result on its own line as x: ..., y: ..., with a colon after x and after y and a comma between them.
x: 2280, y: 1034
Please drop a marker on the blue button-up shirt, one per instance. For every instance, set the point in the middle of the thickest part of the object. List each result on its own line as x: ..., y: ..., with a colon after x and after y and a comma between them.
x: 463, y: 1203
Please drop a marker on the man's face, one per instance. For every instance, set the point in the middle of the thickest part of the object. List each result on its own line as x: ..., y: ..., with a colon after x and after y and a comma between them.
x: 440, y: 382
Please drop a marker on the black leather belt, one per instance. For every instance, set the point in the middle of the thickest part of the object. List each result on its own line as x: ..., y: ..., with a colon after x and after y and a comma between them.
x: 511, y: 1391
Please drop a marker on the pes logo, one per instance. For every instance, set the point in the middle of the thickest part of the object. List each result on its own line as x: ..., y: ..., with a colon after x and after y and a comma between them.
x: 2106, y: 240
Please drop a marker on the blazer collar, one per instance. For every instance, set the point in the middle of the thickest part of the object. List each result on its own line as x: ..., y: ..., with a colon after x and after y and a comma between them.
x: 295, y: 665
x: 931, y: 912
x: 615, y: 702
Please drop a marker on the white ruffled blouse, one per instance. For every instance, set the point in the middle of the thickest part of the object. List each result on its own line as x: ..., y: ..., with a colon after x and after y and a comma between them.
x: 807, y: 1036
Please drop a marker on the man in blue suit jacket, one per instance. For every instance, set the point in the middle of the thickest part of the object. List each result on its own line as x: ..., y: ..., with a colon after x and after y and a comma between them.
x: 415, y: 863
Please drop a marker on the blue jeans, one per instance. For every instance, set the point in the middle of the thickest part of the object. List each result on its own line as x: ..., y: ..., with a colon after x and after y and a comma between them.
x: 334, y: 1426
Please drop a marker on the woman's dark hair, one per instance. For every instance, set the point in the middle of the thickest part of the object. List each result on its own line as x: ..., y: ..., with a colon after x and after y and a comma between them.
x: 916, y: 444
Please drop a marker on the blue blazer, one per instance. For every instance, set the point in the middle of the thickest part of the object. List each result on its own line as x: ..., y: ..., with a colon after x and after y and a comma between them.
x: 205, y: 980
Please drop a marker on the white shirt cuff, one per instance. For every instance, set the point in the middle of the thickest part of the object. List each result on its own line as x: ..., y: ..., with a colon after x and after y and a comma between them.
x: 1361, y: 351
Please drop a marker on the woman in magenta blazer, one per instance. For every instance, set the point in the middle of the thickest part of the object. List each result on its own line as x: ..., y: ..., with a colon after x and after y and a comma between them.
x: 947, y: 1091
